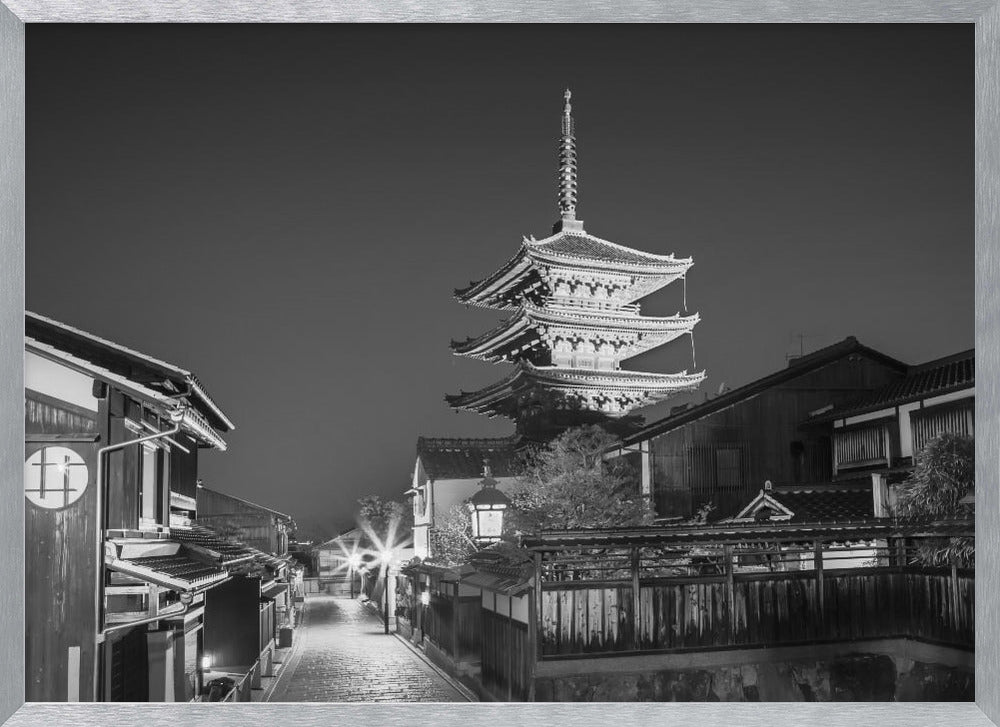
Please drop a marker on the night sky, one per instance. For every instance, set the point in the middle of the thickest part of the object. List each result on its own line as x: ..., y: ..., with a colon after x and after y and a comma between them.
x: 286, y: 210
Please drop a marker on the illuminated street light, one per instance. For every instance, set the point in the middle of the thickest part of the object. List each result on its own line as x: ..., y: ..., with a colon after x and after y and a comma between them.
x: 487, y: 508
x: 386, y: 557
x: 353, y: 563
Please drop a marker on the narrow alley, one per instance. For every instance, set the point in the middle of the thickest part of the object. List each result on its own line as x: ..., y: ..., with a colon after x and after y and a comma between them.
x: 343, y: 655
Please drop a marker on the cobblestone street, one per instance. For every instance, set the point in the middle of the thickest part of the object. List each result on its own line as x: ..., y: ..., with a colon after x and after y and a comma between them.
x: 343, y: 655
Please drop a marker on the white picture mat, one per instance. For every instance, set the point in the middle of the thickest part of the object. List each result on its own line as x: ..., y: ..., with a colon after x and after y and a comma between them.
x: 984, y: 13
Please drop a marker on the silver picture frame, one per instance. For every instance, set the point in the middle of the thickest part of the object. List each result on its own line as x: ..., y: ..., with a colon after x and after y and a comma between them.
x: 984, y: 14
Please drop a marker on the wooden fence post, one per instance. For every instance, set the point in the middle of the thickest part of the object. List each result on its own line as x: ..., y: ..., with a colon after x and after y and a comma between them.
x: 954, y: 595
x: 820, y: 590
x: 510, y: 647
x: 730, y: 593
x: 534, y: 626
x: 636, y: 640
x: 455, y: 615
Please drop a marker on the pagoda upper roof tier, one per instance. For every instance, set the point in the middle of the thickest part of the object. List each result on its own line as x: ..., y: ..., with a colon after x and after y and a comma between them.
x: 534, y: 326
x: 614, y: 393
x: 574, y: 255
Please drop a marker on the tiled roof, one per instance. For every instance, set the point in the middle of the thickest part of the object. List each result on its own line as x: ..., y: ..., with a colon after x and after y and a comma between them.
x: 192, y: 421
x: 138, y: 367
x: 936, y: 377
x: 506, y: 287
x: 587, y: 387
x: 459, y: 459
x: 827, y: 505
x: 227, y: 551
x: 516, y: 337
x: 248, y: 503
x: 181, y: 567
x: 593, y: 248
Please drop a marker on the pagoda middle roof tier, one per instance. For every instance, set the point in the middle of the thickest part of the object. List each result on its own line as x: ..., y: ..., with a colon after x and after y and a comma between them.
x: 576, y: 255
x: 533, y: 326
x: 614, y: 392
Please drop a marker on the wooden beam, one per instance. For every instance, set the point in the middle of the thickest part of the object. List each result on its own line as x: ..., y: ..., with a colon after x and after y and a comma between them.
x: 954, y: 594
x: 730, y: 592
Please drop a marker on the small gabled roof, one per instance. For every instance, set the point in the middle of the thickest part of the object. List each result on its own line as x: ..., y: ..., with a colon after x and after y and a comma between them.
x: 798, y: 367
x: 138, y: 367
x: 850, y: 501
x: 764, y: 501
x: 451, y: 458
x: 941, y: 376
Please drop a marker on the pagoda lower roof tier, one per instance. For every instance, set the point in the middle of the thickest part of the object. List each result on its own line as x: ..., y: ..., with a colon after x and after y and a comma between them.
x: 574, y: 264
x: 614, y: 393
x: 628, y: 333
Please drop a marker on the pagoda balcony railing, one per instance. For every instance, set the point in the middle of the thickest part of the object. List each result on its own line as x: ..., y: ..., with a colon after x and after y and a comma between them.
x: 570, y: 303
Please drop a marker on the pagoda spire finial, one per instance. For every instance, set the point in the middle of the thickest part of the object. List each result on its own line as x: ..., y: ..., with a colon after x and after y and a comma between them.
x: 567, y: 171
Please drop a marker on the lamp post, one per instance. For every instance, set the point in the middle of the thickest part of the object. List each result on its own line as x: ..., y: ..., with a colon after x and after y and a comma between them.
x: 353, y: 561
x: 387, y: 562
x: 487, y: 508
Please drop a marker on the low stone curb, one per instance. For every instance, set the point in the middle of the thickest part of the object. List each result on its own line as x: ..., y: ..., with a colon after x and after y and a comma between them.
x: 455, y: 684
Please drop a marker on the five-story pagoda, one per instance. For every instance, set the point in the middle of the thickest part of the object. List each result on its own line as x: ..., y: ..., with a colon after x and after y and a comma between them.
x: 575, y: 319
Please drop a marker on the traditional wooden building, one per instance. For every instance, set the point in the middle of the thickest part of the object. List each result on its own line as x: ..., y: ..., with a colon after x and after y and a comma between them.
x: 244, y: 615
x: 116, y: 601
x: 256, y: 525
x: 448, y: 471
x: 574, y: 321
x: 721, y: 451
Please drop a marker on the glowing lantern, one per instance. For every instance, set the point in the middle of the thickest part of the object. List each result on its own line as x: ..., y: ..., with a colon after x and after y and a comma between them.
x: 487, y: 508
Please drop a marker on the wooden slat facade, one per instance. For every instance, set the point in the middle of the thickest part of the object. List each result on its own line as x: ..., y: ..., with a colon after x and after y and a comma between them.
x: 724, y: 457
x: 505, y: 665
x: 926, y: 424
x: 61, y: 562
x: 861, y: 446
x: 765, y: 609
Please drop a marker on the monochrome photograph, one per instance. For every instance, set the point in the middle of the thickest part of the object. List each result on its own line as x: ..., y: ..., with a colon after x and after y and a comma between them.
x: 499, y: 363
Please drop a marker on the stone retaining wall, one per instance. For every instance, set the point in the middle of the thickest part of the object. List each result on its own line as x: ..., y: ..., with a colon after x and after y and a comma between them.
x: 856, y: 676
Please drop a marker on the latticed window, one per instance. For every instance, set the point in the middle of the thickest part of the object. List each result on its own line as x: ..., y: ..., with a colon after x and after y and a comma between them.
x: 861, y: 446
x: 952, y: 418
x: 728, y: 467
x: 716, y: 467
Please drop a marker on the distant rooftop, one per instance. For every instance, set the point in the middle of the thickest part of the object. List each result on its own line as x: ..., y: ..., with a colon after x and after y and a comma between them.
x: 450, y: 458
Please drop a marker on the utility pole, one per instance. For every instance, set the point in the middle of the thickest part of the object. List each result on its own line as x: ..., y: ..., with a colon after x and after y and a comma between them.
x: 385, y: 614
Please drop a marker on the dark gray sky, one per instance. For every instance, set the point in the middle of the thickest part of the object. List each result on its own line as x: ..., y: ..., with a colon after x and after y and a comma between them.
x: 286, y: 209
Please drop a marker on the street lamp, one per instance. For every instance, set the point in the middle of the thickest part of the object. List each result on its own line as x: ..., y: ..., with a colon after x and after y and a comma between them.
x: 487, y: 508
x: 386, y: 557
x: 353, y: 563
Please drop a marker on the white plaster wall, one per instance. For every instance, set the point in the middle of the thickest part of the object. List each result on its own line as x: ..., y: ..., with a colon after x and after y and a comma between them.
x: 58, y: 381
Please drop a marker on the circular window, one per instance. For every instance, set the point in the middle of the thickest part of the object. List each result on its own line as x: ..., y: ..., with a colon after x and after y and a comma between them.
x: 55, y: 477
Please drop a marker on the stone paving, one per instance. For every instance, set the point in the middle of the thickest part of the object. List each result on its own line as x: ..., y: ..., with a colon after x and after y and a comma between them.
x: 344, y: 655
